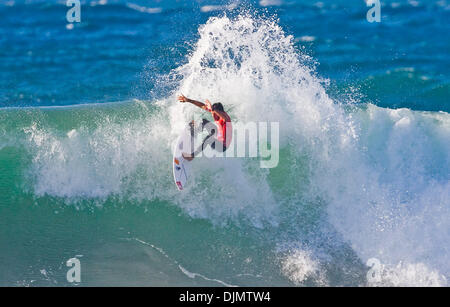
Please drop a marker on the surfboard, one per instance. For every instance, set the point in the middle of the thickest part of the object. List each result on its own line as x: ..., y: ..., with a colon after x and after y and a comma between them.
x: 181, y: 167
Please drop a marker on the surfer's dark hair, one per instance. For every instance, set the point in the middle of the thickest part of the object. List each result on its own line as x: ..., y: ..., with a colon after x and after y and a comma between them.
x: 217, y: 107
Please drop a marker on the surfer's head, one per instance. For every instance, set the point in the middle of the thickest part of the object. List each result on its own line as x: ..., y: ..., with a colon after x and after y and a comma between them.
x: 217, y: 107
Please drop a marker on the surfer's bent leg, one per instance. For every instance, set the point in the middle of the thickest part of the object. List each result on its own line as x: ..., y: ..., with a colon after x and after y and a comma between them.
x: 218, y: 146
x: 193, y: 132
x: 208, y: 140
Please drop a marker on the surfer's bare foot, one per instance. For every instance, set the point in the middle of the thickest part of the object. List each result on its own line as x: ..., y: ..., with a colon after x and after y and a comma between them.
x: 188, y: 157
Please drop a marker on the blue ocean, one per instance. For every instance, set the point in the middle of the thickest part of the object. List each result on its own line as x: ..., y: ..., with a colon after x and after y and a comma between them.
x: 88, y: 118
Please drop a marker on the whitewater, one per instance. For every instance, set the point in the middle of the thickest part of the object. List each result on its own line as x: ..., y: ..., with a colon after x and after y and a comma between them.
x: 354, y: 182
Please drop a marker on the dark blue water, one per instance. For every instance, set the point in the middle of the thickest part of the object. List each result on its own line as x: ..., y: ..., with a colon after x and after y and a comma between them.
x: 118, y: 49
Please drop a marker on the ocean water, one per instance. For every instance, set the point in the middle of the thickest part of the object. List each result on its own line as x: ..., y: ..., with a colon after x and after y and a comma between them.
x: 88, y: 116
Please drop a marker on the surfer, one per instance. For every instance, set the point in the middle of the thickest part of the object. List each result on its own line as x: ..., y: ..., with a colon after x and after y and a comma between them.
x: 219, y: 137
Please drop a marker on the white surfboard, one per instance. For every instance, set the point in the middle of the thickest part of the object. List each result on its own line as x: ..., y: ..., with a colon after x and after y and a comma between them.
x: 181, y: 166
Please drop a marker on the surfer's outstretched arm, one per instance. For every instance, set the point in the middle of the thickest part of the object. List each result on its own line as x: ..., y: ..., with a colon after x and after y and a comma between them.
x: 199, y: 104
